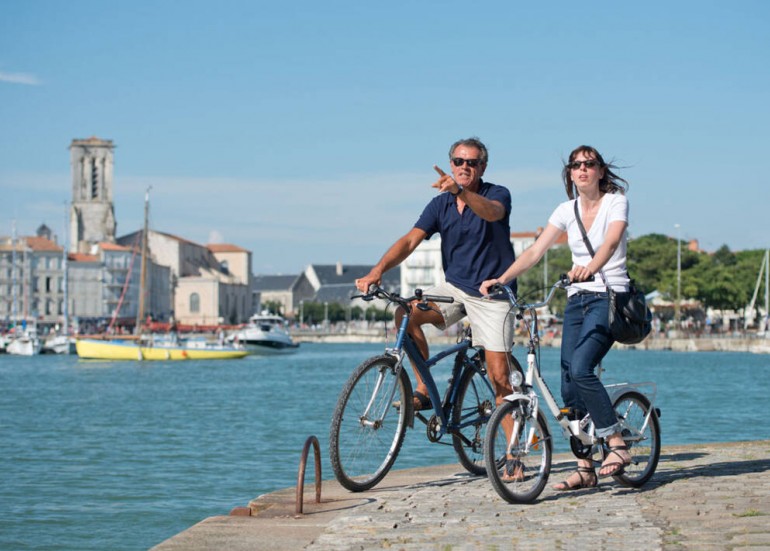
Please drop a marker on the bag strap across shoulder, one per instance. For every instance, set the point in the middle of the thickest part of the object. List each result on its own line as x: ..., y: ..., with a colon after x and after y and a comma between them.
x: 588, y: 243
x: 591, y: 249
x: 583, y: 230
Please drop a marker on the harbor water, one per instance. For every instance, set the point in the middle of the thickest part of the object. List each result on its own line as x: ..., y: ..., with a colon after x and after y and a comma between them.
x: 122, y: 455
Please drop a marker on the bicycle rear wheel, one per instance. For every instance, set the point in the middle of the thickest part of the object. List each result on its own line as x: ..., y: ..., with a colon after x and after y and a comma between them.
x: 367, y: 430
x: 642, y: 436
x: 524, y: 459
x: 473, y: 406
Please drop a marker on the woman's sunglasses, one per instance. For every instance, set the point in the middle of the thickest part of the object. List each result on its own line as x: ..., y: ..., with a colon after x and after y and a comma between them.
x: 575, y: 165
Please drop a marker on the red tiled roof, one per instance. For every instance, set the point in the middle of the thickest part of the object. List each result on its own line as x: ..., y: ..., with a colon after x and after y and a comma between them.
x: 113, y: 247
x: 82, y: 257
x: 225, y: 248
x: 42, y: 244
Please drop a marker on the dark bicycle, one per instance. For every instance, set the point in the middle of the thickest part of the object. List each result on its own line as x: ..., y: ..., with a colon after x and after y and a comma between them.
x: 375, y: 406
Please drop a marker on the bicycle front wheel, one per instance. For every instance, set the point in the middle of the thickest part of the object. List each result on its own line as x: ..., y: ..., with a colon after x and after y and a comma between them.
x: 368, y: 424
x: 471, y: 411
x: 640, y: 429
x: 517, y: 452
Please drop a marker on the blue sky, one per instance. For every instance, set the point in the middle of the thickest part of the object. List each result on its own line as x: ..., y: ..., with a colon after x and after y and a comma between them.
x: 307, y: 131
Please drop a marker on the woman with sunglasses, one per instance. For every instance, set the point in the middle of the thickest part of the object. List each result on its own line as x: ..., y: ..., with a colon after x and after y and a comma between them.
x: 603, y: 209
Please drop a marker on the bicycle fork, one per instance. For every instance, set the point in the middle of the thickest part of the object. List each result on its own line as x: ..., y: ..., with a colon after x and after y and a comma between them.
x: 530, y: 439
x: 377, y: 423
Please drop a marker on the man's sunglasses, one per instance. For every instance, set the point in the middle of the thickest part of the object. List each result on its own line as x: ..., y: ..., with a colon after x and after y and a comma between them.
x: 459, y: 161
x: 575, y: 165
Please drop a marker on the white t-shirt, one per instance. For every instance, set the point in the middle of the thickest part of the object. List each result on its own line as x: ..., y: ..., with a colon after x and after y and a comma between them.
x: 614, y: 207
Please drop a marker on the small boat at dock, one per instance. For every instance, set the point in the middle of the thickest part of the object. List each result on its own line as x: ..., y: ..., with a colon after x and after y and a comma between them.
x: 150, y: 349
x: 264, y: 334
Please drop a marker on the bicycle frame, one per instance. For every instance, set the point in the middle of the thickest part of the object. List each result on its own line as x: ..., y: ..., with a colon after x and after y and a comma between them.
x: 405, y: 346
x: 533, y: 378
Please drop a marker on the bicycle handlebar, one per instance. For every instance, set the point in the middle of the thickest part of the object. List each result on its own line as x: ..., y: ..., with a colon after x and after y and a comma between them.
x: 378, y: 292
x: 562, y: 283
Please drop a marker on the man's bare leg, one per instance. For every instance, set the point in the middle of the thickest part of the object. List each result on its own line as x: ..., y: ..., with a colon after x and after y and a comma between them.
x: 418, y: 319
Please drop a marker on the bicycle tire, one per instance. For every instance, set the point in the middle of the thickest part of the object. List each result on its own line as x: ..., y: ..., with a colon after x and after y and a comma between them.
x: 471, y: 411
x: 632, y: 408
x: 362, y: 454
x: 534, y: 458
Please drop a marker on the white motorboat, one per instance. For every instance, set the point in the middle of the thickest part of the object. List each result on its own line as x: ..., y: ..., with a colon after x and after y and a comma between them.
x: 24, y: 343
x: 58, y: 344
x: 264, y: 334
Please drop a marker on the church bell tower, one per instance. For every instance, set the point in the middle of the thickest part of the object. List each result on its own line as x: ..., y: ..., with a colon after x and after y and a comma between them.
x: 92, y: 214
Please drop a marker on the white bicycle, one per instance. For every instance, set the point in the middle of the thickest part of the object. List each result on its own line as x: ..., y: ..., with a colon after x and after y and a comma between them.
x: 518, y: 439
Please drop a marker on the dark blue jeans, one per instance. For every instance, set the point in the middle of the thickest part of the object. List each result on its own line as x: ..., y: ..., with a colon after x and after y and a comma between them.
x: 585, y: 341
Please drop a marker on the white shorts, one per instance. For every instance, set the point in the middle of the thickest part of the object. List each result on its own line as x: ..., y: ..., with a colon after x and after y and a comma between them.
x: 491, y: 325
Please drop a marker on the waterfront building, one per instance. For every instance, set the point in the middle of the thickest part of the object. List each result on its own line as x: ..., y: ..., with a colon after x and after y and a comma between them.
x: 276, y: 288
x: 209, y: 285
x: 335, y: 283
x: 31, y: 280
x: 103, y: 288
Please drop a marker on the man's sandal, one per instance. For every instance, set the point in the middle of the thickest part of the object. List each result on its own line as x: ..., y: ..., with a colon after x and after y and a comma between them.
x: 420, y: 401
x: 587, y: 479
x: 616, y: 467
x: 513, y: 471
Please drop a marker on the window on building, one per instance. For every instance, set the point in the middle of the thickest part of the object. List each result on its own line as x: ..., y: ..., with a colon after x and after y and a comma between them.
x: 94, y: 180
x: 195, y: 303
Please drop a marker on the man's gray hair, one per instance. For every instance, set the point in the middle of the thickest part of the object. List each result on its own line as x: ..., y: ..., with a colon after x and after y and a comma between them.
x: 471, y: 142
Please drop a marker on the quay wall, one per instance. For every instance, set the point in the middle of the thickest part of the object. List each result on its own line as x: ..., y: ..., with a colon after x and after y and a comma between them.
x: 681, y: 344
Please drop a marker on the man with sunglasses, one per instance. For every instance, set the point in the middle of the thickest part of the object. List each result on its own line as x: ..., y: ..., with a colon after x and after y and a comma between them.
x: 472, y: 218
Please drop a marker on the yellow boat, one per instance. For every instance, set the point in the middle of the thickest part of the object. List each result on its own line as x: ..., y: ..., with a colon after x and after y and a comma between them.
x: 95, y: 349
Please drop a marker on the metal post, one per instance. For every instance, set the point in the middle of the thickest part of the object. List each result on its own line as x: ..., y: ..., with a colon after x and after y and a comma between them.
x: 301, y: 474
x: 677, y: 309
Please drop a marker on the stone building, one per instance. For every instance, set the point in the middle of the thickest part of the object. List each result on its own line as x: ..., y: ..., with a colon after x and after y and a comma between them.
x: 92, y: 214
x: 31, y: 280
x: 103, y: 287
x: 209, y: 285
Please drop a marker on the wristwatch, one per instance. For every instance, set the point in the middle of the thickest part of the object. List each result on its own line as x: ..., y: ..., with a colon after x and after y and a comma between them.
x: 459, y: 190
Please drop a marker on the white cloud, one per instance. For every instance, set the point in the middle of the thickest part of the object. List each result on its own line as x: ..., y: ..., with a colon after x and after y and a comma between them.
x: 20, y: 78
x: 215, y: 236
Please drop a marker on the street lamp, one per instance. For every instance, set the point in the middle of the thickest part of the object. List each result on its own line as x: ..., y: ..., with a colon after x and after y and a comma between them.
x: 677, y: 309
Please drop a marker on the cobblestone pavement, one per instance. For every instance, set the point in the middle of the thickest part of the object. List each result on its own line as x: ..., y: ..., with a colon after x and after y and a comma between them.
x: 702, y: 497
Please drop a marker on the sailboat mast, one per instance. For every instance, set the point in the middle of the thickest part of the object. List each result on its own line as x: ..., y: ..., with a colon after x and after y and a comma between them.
x: 143, y: 276
x: 14, y: 277
x: 65, y: 269
x: 767, y: 290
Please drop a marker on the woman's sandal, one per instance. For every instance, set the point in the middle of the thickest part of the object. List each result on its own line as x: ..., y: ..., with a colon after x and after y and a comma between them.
x: 616, y: 467
x: 587, y: 480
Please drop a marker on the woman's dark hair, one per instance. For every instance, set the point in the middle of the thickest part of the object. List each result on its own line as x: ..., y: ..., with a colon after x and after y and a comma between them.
x: 610, y: 182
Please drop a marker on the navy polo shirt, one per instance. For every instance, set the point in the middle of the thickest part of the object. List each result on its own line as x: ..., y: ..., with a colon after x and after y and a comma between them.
x: 472, y: 249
